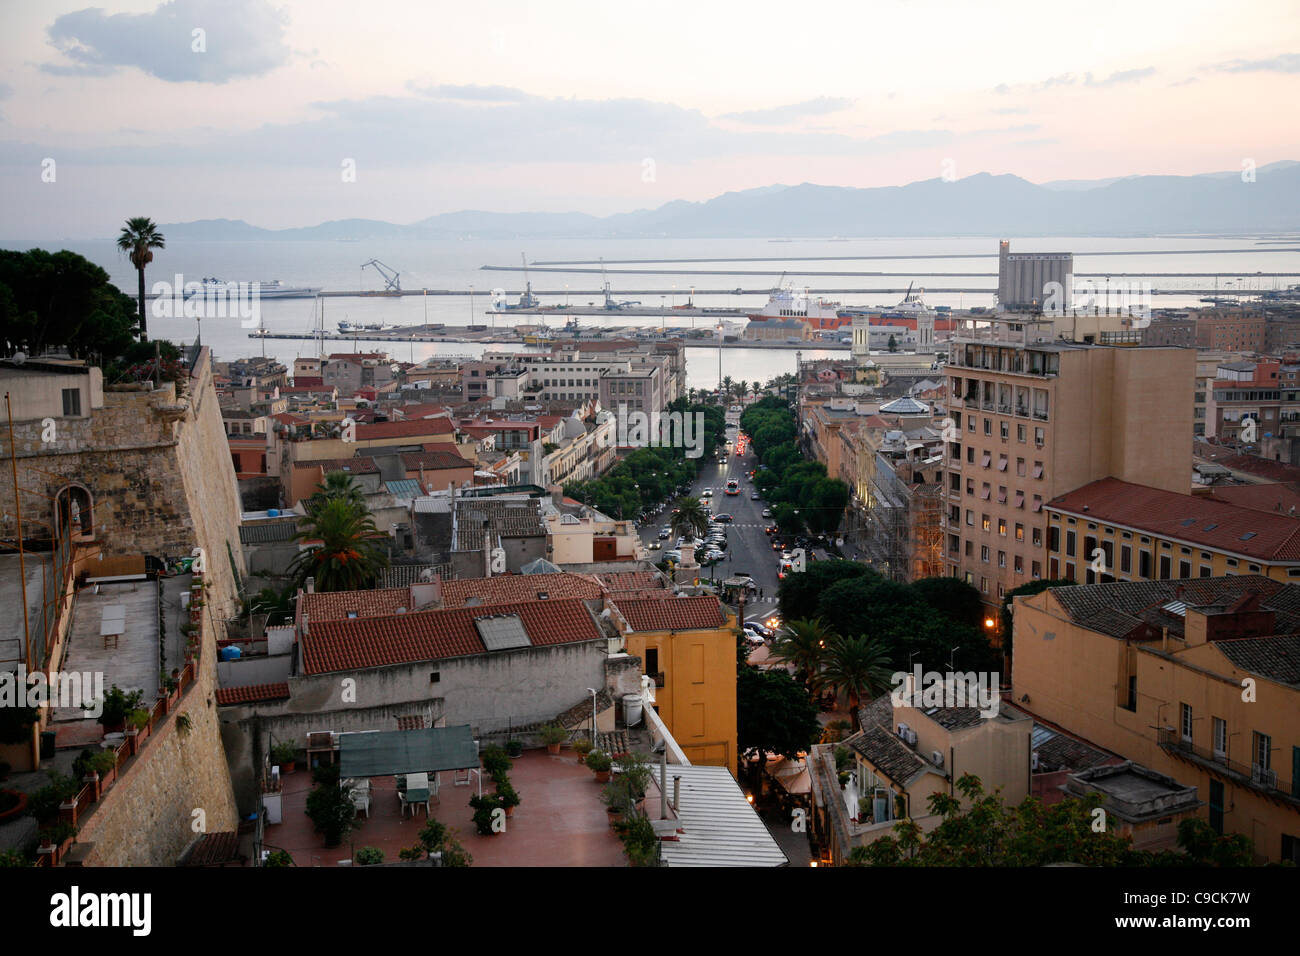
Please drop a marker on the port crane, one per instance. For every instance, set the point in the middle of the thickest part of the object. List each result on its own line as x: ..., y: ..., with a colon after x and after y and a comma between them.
x: 391, y: 277
x: 527, y: 300
x: 610, y: 304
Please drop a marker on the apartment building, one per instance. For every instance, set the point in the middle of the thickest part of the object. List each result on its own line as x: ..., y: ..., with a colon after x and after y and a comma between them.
x: 349, y: 371
x: 1034, y: 417
x: 1112, y: 530
x: 1194, y: 679
x: 1231, y: 329
x: 1248, y: 392
x: 639, y: 388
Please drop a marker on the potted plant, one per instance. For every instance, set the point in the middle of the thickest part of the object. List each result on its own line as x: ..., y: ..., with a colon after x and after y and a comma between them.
x: 285, y: 754
x: 138, y: 719
x: 485, y: 816
x: 507, y: 796
x: 553, y: 735
x: 278, y: 858
x: 582, y: 746
x: 495, y: 760
x: 599, y: 762
x: 117, y: 706
x: 617, y: 797
x: 639, y: 841
x: 331, y: 812
x: 514, y: 748
x: 369, y: 856
x: 636, y: 771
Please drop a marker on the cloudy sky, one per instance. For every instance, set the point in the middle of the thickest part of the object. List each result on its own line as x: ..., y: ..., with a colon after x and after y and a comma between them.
x: 291, y: 113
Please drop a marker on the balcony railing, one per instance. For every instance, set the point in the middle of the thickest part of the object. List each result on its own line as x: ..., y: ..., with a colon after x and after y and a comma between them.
x: 1248, y: 775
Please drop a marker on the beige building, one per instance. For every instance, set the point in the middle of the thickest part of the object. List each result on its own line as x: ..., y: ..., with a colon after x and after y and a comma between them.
x: 1034, y: 417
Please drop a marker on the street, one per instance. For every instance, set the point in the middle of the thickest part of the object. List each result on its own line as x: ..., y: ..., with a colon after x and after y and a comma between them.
x: 749, y: 549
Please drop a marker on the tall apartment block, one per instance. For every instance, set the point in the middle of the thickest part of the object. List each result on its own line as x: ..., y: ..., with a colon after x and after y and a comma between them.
x: 1035, y: 416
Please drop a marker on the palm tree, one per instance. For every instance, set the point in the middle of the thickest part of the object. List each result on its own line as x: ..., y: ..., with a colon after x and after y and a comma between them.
x: 690, y: 520
x: 742, y: 389
x: 802, y: 643
x: 857, y: 666
x: 337, y: 485
x: 137, y: 239
x: 727, y: 385
x: 346, y: 558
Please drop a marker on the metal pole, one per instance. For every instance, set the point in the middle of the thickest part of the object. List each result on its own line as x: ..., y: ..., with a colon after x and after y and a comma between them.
x: 18, y: 518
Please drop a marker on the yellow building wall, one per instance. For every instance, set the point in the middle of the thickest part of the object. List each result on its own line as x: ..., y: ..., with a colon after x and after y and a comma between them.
x: 698, y: 699
x: 1077, y: 678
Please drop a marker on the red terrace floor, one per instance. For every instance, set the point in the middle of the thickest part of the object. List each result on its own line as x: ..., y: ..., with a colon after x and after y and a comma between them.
x: 560, y: 820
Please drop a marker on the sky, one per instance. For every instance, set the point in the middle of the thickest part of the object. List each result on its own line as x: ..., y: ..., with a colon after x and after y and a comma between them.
x: 292, y: 113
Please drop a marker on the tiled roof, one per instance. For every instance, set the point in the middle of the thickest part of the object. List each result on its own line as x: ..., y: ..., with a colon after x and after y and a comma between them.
x: 513, y: 518
x: 1278, y: 497
x: 252, y: 693
x: 423, y: 426
x: 434, y: 460
x: 1196, y: 519
x: 215, y: 849
x: 672, y: 614
x: 513, y: 588
x: 955, y: 718
x: 881, y: 748
x: 323, y: 606
x: 435, y: 635
x: 879, y: 711
x: 268, y: 532
x: 629, y: 580
x: 404, y: 575
x: 1277, y: 658
x: 1247, y: 464
x: 360, y: 465
x: 1118, y: 608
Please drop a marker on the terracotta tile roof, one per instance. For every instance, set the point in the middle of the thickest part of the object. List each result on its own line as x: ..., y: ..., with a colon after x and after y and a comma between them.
x: 629, y: 580
x: 322, y: 606
x: 1195, y: 519
x: 1277, y: 658
x: 306, y: 389
x: 1247, y: 464
x: 1278, y: 497
x: 436, y: 460
x: 672, y: 614
x: 361, y: 465
x: 252, y: 693
x: 436, y: 635
x: 286, y: 418
x: 515, y: 588
x: 881, y: 748
x: 216, y: 849
x: 422, y: 426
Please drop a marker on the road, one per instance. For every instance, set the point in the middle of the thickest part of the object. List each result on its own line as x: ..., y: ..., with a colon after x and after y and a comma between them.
x: 749, y: 550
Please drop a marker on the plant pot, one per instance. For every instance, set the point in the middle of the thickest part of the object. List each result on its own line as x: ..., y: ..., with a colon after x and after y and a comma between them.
x: 552, y: 749
x: 602, y: 776
x: 289, y: 766
x: 510, y: 812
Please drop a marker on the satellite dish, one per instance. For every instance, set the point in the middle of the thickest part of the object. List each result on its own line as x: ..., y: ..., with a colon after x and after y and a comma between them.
x: 19, y: 358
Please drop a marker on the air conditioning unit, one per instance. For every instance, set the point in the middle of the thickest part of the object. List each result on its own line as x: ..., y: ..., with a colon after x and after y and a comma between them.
x: 936, y: 757
x: 903, y: 731
x: 911, y: 737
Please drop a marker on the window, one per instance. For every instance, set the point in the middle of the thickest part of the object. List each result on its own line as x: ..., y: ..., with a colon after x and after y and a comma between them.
x: 1037, y: 537
x: 970, y: 517
x: 1187, y: 722
x: 1069, y: 544
x: 1053, y: 538
x: 988, y: 426
x: 1020, y: 531
x: 1020, y: 467
x: 1126, y: 558
x: 1165, y: 568
x: 1002, y: 527
x: 1006, y: 430
x: 1220, y: 738
x: 1037, y: 569
x: 984, y: 553
x: 1040, y: 437
x: 1002, y: 462
x: 1133, y: 693
x: 1020, y: 433
x: 652, y: 660
x: 984, y: 522
x: 1002, y: 559
x: 1144, y: 564
x: 71, y: 402
x: 1038, y: 470
x: 1020, y: 565
x: 1184, y: 569
x: 1263, y: 758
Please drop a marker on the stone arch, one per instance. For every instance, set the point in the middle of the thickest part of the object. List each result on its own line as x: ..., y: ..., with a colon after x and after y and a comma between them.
x: 76, y: 511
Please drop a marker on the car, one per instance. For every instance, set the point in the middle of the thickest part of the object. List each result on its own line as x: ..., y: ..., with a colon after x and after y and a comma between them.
x: 771, y: 529
x: 665, y: 533
x: 655, y: 545
x: 753, y: 496
x: 767, y: 512
x: 753, y: 637
x: 755, y: 626
x: 673, y: 556
x: 707, y: 493
x: 731, y: 425
x: 778, y: 544
x: 723, y: 518
x: 712, y: 556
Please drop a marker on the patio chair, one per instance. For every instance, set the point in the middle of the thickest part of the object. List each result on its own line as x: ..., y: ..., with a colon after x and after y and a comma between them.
x: 361, y: 800
x: 417, y: 792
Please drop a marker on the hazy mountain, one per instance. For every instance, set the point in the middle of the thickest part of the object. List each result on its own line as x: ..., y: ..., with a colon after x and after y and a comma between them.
x: 982, y: 204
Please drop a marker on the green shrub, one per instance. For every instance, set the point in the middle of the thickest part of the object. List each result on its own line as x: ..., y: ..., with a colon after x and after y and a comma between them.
x: 44, y: 803
x: 485, y: 813
x: 331, y: 812
x: 514, y: 748
x: 284, y: 752
x: 495, y: 760
x: 119, y: 705
x: 506, y: 793
x: 13, y: 858
x: 552, y: 734
x: 599, y: 761
x: 582, y: 746
x: 369, y: 856
x: 278, y: 858
x: 639, y: 841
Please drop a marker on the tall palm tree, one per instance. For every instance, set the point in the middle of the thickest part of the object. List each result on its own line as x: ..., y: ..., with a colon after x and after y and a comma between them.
x: 346, y: 559
x: 802, y: 643
x: 138, y: 238
x: 690, y: 519
x: 337, y: 485
x: 727, y: 386
x: 857, y: 666
x: 742, y: 389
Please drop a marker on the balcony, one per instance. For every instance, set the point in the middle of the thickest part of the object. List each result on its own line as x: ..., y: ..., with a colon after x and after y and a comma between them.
x: 1258, y: 779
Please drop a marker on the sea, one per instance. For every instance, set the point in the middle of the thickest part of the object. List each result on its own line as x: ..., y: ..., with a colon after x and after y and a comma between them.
x: 457, y: 265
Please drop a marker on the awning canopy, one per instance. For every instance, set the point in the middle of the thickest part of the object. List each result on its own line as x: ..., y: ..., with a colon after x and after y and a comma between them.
x: 387, y: 752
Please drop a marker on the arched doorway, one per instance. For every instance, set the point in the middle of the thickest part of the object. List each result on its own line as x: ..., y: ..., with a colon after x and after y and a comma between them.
x: 75, y: 515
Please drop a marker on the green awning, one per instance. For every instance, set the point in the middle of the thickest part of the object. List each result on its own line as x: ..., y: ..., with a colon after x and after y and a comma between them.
x: 386, y: 752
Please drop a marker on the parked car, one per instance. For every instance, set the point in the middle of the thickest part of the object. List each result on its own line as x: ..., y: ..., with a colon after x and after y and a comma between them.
x: 665, y: 534
x: 723, y: 518
x: 674, y: 556
x: 753, y: 496
x: 771, y: 529
x: 767, y: 512
x: 707, y: 493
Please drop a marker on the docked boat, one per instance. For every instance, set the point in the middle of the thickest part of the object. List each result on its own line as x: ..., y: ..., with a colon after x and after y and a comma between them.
x: 787, y: 303
x: 352, y: 328
x: 904, y: 315
x: 275, y: 289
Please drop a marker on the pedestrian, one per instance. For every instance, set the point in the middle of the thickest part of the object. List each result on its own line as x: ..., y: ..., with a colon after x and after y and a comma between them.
x: 760, y: 594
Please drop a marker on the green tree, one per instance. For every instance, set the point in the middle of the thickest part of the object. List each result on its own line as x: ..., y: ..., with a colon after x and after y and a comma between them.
x: 337, y: 486
x: 138, y: 238
x: 802, y: 643
x: 689, y: 520
x: 773, y: 715
x: 346, y: 558
x: 857, y: 667
x: 60, y: 299
x: 953, y: 598
x: 800, y: 594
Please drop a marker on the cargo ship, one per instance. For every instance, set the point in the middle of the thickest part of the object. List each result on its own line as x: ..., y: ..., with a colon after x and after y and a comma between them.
x: 786, y: 303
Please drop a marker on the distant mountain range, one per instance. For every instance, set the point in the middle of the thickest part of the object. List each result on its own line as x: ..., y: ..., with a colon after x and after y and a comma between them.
x: 980, y: 205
